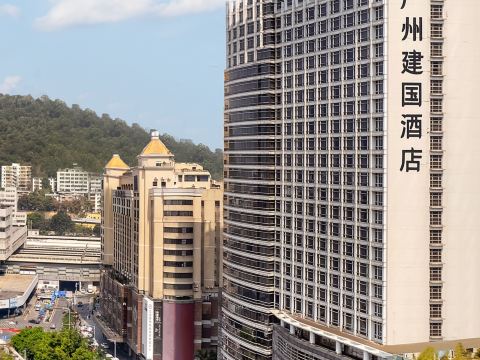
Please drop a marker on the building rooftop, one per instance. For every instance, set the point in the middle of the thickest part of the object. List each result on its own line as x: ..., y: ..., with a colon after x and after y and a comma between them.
x: 14, y: 285
x: 116, y: 162
x: 156, y: 146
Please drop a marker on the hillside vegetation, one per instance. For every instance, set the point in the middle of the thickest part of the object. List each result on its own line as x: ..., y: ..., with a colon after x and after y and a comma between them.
x: 50, y: 135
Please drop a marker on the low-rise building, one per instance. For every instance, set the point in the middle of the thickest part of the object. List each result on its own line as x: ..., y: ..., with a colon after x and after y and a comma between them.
x: 53, y: 184
x: 37, y: 184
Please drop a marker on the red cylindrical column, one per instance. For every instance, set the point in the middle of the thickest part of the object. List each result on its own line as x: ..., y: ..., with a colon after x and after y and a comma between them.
x: 178, y: 331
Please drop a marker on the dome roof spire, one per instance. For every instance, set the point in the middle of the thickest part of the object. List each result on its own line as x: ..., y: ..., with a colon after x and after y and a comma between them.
x: 116, y: 162
x: 155, y: 146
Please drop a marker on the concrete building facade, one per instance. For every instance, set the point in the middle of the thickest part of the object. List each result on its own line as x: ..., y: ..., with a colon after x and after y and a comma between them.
x: 161, y: 240
x: 11, y: 237
x: 37, y: 184
x: 72, y: 181
x: 9, y: 198
x: 350, y: 204
x: 77, y: 182
x: 18, y: 176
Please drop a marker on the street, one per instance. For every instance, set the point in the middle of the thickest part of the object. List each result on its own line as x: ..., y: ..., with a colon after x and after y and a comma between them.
x: 84, y: 306
x: 85, y: 313
x: 29, y: 315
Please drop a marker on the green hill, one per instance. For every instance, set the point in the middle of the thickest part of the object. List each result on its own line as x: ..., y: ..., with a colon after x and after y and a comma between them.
x: 49, y: 135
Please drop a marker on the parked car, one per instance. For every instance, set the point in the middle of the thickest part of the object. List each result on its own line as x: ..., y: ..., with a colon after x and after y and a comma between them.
x: 53, y: 326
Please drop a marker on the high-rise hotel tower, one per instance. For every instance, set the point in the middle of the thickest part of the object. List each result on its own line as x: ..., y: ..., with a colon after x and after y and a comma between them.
x: 161, y: 230
x: 352, y: 204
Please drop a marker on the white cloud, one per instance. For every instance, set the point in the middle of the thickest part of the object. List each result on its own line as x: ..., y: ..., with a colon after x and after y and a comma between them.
x: 68, y: 13
x: 9, y: 10
x: 9, y: 84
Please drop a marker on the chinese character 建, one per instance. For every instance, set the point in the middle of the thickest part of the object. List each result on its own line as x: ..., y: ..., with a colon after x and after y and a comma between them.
x: 412, y: 62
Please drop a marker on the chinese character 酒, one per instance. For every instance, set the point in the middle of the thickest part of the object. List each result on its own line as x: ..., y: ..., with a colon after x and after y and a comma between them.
x: 412, y: 126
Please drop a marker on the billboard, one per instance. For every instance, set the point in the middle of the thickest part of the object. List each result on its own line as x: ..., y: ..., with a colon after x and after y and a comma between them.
x: 147, y: 328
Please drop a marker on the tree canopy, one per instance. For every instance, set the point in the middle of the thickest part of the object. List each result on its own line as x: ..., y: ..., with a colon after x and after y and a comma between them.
x: 61, y: 223
x: 53, y: 345
x: 428, y: 354
x: 49, y: 135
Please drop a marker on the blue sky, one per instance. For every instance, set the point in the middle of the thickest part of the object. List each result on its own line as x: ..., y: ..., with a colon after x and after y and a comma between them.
x: 158, y: 63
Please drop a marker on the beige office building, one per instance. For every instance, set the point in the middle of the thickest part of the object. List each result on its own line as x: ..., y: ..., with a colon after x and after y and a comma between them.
x: 351, y: 200
x: 18, y: 176
x: 161, y: 241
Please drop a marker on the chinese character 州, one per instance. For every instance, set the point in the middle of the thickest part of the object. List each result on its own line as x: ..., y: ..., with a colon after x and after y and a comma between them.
x: 412, y: 94
x: 411, y: 160
x: 412, y: 126
x: 415, y: 29
x: 403, y: 4
x: 412, y: 62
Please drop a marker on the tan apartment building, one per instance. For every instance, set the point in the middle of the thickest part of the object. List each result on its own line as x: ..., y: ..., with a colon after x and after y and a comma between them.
x: 351, y: 197
x: 18, y: 176
x: 161, y: 242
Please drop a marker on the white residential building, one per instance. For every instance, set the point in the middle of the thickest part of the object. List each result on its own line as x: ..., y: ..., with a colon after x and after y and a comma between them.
x: 73, y: 181
x: 53, y: 184
x: 16, y: 175
x: 37, y: 184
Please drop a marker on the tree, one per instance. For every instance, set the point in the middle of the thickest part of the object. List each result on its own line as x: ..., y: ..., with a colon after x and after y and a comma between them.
x: 46, y: 185
x: 428, y: 354
x: 5, y: 356
x: 26, y: 340
x: 41, y: 131
x: 36, y: 220
x: 36, y: 201
x: 205, y: 354
x: 61, y: 223
x: 459, y: 352
x: 96, y: 230
x: 63, y: 345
